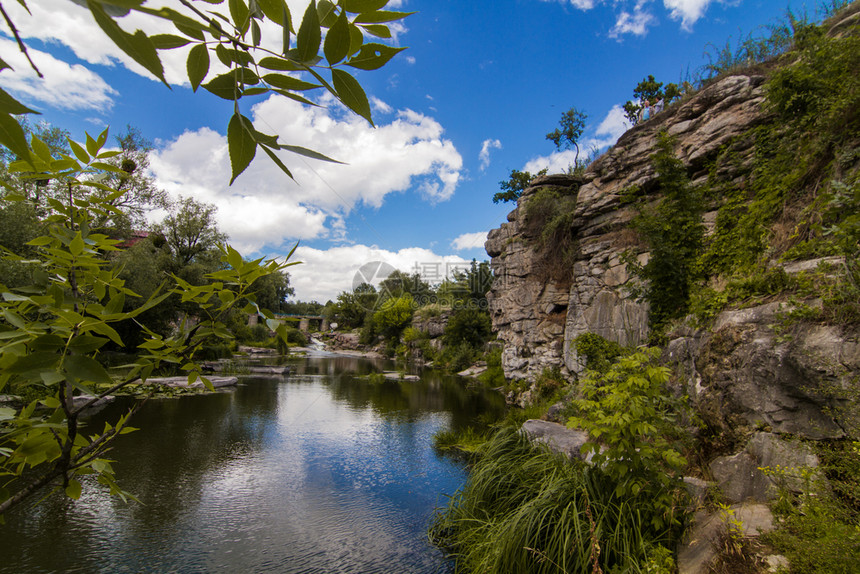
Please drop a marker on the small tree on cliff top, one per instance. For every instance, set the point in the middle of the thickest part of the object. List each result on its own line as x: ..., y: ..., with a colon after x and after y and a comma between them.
x: 572, y: 125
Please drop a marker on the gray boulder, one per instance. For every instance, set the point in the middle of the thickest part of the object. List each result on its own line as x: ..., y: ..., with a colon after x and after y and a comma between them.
x: 557, y: 437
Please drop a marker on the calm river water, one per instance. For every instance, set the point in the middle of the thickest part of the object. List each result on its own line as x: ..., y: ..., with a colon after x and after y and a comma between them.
x: 318, y: 472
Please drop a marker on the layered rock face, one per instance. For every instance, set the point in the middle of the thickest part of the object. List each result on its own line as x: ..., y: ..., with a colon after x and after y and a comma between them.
x: 536, y: 316
x: 743, y: 373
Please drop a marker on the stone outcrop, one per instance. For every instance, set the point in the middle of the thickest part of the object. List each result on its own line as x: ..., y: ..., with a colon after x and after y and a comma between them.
x: 750, y: 370
x: 740, y: 477
x: 538, y: 317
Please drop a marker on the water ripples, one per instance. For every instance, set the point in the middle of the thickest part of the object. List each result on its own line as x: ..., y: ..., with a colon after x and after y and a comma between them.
x: 307, y: 474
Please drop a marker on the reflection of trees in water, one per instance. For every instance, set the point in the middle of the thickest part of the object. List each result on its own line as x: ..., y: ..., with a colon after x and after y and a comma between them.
x: 183, y: 442
x: 435, y: 392
x: 189, y: 441
x: 336, y: 365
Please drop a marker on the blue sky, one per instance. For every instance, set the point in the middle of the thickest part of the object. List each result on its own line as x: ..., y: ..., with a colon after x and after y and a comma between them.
x: 472, y: 98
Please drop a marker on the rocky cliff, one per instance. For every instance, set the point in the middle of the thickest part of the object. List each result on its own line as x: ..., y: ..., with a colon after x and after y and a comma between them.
x: 742, y: 371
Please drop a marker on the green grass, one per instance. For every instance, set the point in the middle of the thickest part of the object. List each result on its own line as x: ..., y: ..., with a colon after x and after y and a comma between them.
x: 527, y: 510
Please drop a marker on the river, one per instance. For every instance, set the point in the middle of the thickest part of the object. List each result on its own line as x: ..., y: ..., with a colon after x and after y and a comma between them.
x: 318, y: 471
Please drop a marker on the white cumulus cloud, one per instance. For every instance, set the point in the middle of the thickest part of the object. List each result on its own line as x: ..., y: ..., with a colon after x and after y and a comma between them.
x: 484, y: 156
x: 264, y: 207
x: 469, y: 241
x: 326, y: 272
x: 64, y: 86
x: 635, y: 22
x: 687, y: 11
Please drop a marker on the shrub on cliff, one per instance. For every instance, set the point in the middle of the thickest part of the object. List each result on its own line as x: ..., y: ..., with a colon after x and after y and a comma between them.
x: 673, y: 230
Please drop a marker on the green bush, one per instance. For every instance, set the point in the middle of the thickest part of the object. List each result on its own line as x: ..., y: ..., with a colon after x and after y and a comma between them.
x: 469, y: 326
x: 674, y: 233
x: 457, y: 358
x: 632, y: 422
x: 597, y: 351
x: 296, y: 337
x: 393, y: 316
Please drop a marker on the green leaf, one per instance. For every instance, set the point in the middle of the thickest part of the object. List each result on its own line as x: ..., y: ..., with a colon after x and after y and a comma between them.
x: 351, y: 93
x: 280, y: 64
x: 378, y: 30
x: 48, y: 342
x: 37, y: 360
x: 138, y: 46
x: 256, y: 33
x: 86, y: 343
x: 239, y: 12
x: 356, y: 39
x: 197, y: 65
x: 277, y: 161
x: 373, y: 56
x: 309, y: 37
x: 12, y: 136
x: 86, y: 369
x: 228, y: 56
x: 275, y: 11
x: 228, y: 86
x: 241, y: 144
x: 41, y: 149
x: 102, y: 139
x: 287, y: 29
x: 190, y: 31
x: 337, y: 40
x: 76, y: 246
x: 51, y: 377
x: 10, y: 105
x: 288, y: 82
x: 73, y: 490
x: 360, y: 6
x: 297, y: 98
x: 326, y: 13
x: 380, y: 16
x: 308, y: 153
x: 168, y: 41
x: 79, y: 151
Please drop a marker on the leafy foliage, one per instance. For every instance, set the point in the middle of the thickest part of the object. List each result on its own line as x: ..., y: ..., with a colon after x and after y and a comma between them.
x: 597, y: 351
x: 572, y: 125
x: 514, y: 186
x: 650, y: 90
x: 632, y: 421
x: 674, y: 233
x: 257, y: 63
x: 470, y: 326
x: 548, y: 216
x: 804, y: 178
x: 818, y: 527
x: 393, y: 316
x: 53, y: 329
